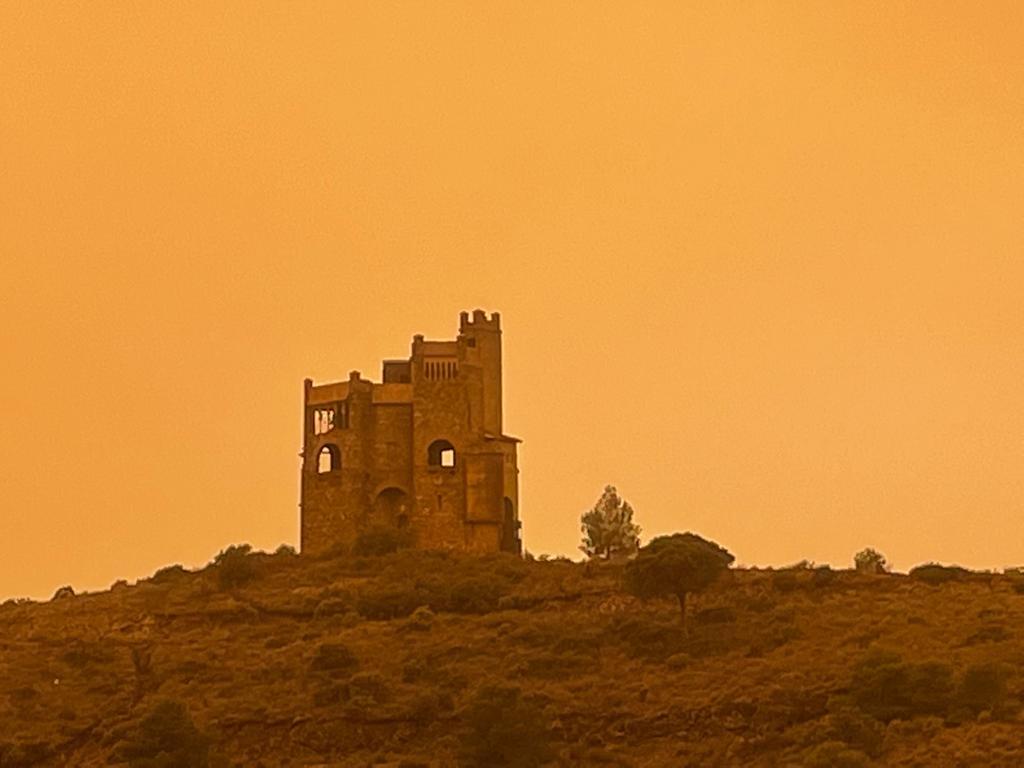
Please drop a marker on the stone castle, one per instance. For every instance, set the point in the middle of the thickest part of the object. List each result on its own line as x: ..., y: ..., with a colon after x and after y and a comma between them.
x: 422, y: 451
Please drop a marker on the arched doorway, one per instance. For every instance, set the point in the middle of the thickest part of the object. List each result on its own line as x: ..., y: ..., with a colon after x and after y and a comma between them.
x: 391, y: 508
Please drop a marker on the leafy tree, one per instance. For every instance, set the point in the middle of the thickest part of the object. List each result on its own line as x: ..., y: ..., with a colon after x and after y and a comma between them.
x: 609, y: 528
x: 676, y: 565
x: 870, y: 561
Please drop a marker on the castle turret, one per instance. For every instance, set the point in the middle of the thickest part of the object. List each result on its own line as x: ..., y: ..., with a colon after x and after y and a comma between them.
x: 481, y: 338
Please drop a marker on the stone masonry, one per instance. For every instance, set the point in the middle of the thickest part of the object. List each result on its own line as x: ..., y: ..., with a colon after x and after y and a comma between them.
x: 421, y: 451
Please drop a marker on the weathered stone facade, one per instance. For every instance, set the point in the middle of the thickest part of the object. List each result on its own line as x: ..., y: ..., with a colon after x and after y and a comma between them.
x: 423, y: 450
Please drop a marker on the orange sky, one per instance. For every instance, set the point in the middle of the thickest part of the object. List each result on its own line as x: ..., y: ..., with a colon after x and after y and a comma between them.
x: 759, y: 264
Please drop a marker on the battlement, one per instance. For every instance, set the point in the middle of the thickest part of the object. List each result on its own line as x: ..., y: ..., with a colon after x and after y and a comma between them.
x: 479, y: 321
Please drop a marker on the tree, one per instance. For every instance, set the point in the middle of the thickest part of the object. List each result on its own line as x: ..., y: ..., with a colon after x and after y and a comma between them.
x: 608, y: 528
x: 870, y: 561
x: 676, y: 565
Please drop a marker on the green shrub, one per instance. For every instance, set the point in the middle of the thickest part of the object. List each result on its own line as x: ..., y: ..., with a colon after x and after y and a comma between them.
x: 888, y: 688
x: 390, y: 601
x: 422, y: 619
x: 870, y: 561
x: 334, y: 658
x: 502, y: 729
x: 934, y: 574
x: 982, y: 687
x: 63, y: 592
x: 834, y: 754
x: 24, y: 754
x: 166, y: 738
x: 169, y: 574
x: 234, y: 566
x: 647, y: 637
x: 475, y: 594
x: 721, y: 615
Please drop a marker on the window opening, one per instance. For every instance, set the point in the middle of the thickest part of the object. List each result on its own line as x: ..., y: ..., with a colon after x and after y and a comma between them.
x: 328, y: 460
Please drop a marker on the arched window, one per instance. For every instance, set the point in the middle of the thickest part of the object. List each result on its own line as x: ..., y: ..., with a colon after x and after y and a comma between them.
x: 328, y: 460
x: 441, y: 453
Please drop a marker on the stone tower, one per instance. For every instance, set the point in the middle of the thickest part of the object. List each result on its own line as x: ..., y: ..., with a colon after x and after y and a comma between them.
x: 422, y: 450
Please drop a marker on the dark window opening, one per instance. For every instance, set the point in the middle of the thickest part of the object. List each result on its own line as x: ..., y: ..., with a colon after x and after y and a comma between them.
x: 328, y: 460
x: 441, y: 453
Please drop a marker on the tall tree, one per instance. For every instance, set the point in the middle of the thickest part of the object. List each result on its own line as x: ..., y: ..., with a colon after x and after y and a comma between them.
x: 608, y: 528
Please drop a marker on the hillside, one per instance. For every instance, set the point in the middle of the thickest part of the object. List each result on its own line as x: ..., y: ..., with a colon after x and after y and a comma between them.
x: 282, y: 660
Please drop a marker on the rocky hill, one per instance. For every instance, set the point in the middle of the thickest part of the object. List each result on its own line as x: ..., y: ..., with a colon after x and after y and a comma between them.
x: 425, y: 659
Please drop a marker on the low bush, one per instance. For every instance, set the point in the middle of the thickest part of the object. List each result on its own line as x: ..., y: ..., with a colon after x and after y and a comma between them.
x: 475, y: 594
x: 24, y: 754
x: 378, y: 541
x: 647, y: 637
x: 982, y: 687
x: 234, y: 566
x: 63, y: 592
x: 888, y: 688
x: 384, y: 601
x: 834, y: 754
x: 934, y: 574
x: 334, y: 658
x: 503, y: 729
x: 165, y: 738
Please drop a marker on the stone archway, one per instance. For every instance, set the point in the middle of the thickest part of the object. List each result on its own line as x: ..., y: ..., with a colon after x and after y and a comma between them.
x: 391, y: 508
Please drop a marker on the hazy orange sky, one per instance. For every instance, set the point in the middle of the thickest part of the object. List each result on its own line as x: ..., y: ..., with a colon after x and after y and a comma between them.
x: 759, y: 264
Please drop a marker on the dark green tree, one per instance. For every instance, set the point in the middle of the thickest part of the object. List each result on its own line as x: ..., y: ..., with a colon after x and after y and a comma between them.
x: 676, y: 565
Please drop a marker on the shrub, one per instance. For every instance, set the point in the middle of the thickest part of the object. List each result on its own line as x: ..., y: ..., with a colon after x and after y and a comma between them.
x: 422, y: 619
x: 888, y: 688
x: 22, y: 755
x: 983, y: 686
x: 476, y: 594
x: 234, y: 566
x: 647, y: 637
x: 285, y: 550
x: 934, y: 574
x: 390, y: 601
x: 870, y: 561
x: 377, y: 541
x: 63, y: 592
x: 504, y: 730
x: 334, y: 658
x: 721, y: 615
x: 166, y: 738
x: 168, y: 574
x: 834, y: 754
x: 333, y: 606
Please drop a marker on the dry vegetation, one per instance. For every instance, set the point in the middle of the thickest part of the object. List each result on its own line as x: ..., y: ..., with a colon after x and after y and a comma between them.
x: 426, y: 659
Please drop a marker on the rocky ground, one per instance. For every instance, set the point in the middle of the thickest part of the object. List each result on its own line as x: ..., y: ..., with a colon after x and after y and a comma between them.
x: 422, y: 659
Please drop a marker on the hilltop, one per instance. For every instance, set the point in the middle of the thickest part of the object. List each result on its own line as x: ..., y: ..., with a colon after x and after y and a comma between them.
x: 285, y: 660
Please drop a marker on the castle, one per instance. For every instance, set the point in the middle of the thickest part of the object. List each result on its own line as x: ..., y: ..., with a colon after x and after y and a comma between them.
x: 422, y: 451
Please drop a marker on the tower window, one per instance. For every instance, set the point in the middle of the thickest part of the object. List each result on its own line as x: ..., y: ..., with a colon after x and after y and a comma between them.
x: 328, y: 459
x: 323, y: 420
x: 441, y: 453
